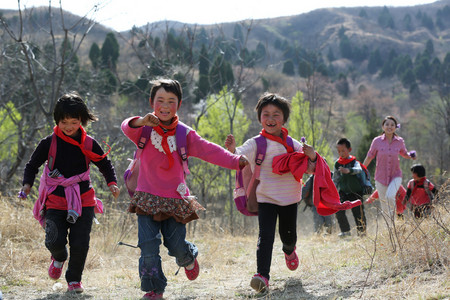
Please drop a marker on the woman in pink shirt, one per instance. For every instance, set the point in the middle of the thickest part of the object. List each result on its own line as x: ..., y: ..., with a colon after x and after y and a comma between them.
x: 388, y: 175
x: 162, y: 200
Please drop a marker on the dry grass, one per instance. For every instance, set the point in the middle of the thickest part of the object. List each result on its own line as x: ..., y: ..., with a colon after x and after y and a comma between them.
x: 330, y: 268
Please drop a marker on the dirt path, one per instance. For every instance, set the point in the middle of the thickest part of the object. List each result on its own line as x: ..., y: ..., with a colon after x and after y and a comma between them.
x: 330, y: 268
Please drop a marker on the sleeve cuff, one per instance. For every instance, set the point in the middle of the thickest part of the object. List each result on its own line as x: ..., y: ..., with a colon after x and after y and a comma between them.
x: 112, y: 183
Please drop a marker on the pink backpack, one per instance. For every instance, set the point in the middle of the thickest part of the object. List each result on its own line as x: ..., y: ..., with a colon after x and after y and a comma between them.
x: 247, y: 181
x: 132, y: 172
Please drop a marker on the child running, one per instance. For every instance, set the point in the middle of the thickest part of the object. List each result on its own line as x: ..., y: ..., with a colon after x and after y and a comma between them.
x: 67, y: 201
x: 161, y: 200
x: 277, y: 195
x: 420, y: 192
x: 345, y: 177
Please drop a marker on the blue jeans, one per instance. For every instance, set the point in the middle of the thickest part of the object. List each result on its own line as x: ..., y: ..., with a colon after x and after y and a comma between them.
x: 149, y: 234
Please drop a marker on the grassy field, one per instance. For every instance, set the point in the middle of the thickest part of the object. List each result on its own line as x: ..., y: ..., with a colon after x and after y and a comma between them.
x: 412, y: 263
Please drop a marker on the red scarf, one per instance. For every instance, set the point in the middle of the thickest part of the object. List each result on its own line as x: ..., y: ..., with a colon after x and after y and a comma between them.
x: 91, y: 155
x: 169, y: 130
x: 282, y: 141
x: 345, y: 161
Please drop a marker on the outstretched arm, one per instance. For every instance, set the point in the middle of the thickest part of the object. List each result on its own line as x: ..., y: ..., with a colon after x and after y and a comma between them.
x: 367, y: 161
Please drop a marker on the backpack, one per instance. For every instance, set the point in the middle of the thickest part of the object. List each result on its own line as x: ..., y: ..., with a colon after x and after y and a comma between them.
x: 55, y: 173
x: 247, y: 181
x: 132, y: 172
x: 426, y: 187
x: 364, y: 177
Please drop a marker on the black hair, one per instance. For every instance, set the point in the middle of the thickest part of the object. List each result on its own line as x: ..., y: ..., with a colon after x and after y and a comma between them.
x: 170, y: 85
x: 390, y: 118
x: 419, y: 170
x: 274, y: 99
x: 344, y: 141
x: 71, y: 105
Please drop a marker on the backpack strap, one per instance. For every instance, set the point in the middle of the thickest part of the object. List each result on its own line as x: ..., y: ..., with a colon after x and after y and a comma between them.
x: 143, y: 139
x: 54, y: 146
x: 261, y: 147
x: 52, y: 153
x: 290, y: 141
x: 181, y: 138
x: 426, y: 186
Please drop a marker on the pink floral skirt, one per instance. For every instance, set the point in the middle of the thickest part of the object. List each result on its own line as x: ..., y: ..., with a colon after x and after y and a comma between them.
x: 162, y: 208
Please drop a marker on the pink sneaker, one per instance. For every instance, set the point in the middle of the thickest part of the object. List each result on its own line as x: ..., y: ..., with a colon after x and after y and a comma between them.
x: 291, y: 261
x: 193, y: 273
x: 259, y: 283
x: 75, y: 287
x: 53, y: 271
x: 152, y: 295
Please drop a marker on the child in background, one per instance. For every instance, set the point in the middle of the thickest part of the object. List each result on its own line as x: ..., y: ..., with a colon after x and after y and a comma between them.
x: 319, y: 221
x: 161, y: 201
x: 399, y: 206
x: 420, y: 192
x: 277, y: 195
x: 70, y: 187
x: 349, y: 185
x: 388, y: 176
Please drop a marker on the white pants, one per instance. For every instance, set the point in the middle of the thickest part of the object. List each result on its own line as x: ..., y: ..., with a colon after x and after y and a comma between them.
x: 387, y: 195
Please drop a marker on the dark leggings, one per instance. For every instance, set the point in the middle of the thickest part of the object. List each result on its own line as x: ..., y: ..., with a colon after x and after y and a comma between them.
x: 56, y: 230
x: 357, y: 211
x: 267, y: 217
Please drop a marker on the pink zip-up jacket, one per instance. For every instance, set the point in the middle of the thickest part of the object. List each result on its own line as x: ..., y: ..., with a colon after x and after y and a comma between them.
x: 71, y: 189
x: 154, y: 176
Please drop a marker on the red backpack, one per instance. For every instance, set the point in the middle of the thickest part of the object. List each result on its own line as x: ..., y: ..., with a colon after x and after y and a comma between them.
x: 247, y: 181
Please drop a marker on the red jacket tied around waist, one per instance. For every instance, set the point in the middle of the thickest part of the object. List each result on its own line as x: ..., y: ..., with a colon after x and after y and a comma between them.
x: 325, y: 195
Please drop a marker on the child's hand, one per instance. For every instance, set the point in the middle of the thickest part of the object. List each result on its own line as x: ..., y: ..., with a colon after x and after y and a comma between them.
x: 344, y: 170
x: 24, y: 191
x: 150, y: 120
x: 309, y: 151
x: 114, y: 190
x: 230, y: 143
x: 243, y: 161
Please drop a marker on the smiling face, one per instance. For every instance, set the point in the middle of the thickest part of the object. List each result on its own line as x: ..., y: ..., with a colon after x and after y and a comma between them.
x: 272, y: 119
x: 70, y: 126
x: 389, y: 127
x: 165, y: 105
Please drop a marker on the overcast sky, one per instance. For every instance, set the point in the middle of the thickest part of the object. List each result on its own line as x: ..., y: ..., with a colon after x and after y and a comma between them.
x: 123, y: 14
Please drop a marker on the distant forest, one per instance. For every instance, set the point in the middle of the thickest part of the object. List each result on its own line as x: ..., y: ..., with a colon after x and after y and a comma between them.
x: 343, y: 69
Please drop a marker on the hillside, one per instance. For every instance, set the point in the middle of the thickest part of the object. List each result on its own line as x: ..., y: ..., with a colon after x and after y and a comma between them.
x: 316, y: 30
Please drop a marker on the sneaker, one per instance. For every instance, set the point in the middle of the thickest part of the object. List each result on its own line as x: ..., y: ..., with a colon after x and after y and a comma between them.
x: 291, y: 261
x: 193, y: 273
x: 259, y: 283
x: 152, y: 295
x: 344, y: 234
x: 75, y: 287
x: 53, y: 271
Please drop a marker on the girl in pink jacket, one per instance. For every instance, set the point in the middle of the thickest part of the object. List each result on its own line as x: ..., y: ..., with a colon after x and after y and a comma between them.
x: 161, y: 201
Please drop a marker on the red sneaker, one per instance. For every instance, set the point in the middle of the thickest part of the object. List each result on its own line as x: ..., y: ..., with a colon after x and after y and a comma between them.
x: 193, y: 273
x: 259, y: 283
x: 75, y: 287
x: 291, y: 261
x: 53, y: 271
x: 153, y: 296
